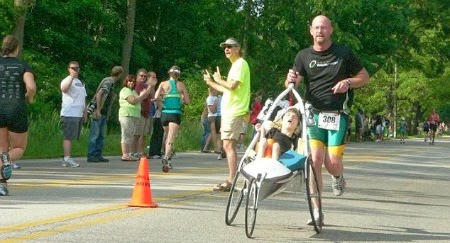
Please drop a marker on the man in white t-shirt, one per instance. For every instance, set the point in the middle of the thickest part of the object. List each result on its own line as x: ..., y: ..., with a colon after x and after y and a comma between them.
x: 73, y: 112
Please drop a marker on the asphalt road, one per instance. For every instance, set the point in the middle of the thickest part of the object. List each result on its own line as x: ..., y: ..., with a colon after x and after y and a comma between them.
x: 395, y: 193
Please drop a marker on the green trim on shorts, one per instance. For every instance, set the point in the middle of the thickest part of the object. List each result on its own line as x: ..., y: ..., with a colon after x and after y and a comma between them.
x: 328, y: 137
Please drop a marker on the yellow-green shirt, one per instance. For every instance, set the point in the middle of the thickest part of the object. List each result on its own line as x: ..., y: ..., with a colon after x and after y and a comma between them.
x: 127, y: 109
x: 236, y: 102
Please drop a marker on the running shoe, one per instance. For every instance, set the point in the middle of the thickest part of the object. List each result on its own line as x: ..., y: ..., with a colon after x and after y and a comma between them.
x: 6, y: 168
x: 5, y: 158
x: 165, y: 164
x: 70, y: 163
x: 338, y: 185
x: 4, y: 189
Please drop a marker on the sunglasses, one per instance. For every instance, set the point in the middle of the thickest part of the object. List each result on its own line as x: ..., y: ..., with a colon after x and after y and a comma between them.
x: 75, y: 68
x: 228, y: 46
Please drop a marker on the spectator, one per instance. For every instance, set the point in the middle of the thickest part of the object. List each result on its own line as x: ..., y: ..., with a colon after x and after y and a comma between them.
x: 130, y: 113
x: 144, y: 81
x: 348, y: 138
x: 206, y: 136
x: 73, y: 112
x: 174, y: 95
x: 234, y: 104
x: 403, y: 127
x: 256, y: 109
x: 359, y: 124
x: 156, y: 141
x: 378, y: 124
x: 213, y: 104
x: 101, y: 108
x: 17, y: 87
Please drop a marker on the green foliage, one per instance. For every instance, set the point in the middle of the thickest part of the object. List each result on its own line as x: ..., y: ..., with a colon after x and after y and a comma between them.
x: 410, y: 34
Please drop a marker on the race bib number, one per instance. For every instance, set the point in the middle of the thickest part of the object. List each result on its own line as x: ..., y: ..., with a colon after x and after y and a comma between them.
x: 329, y: 121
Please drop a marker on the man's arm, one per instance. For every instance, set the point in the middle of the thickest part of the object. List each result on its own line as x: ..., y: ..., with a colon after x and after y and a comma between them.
x: 360, y: 79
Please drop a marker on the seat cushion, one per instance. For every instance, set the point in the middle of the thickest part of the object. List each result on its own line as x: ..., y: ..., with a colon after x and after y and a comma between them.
x: 293, y: 160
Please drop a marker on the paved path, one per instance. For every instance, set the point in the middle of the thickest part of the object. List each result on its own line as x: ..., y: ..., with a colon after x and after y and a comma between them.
x: 395, y: 193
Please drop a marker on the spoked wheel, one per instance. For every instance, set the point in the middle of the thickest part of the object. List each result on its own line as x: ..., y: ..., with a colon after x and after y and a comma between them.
x: 313, y: 195
x: 251, y: 208
x: 235, y: 198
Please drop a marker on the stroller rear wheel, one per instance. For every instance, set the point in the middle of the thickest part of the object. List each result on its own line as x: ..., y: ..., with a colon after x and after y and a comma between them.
x: 313, y: 196
x: 235, y: 198
x: 251, y: 208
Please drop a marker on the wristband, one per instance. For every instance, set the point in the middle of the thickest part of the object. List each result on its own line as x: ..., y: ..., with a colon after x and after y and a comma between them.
x: 349, y: 82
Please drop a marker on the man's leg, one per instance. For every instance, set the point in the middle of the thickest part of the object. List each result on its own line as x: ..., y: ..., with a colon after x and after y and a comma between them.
x: 93, y: 135
x: 229, y: 145
x: 101, y: 137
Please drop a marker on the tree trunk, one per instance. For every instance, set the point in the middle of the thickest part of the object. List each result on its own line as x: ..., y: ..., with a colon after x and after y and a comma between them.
x: 129, y: 32
x: 248, y: 13
x: 21, y: 7
x: 100, y: 27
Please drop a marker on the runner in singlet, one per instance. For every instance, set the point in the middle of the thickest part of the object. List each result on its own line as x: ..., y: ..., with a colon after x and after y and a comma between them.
x: 173, y: 94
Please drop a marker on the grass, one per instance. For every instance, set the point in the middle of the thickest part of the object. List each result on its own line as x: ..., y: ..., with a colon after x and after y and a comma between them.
x: 45, y: 138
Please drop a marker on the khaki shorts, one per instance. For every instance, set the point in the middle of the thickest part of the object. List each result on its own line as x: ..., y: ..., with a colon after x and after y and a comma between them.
x: 231, y: 127
x: 127, y: 127
x: 142, y: 126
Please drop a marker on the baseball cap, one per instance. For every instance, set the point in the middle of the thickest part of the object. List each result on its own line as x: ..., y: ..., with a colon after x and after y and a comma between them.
x: 230, y: 42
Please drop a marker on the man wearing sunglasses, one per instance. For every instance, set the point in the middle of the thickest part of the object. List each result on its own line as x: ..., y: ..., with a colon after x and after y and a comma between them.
x: 234, y: 105
x: 73, y: 111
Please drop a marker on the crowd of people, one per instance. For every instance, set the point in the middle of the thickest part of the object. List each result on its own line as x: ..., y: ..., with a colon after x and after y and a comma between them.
x: 146, y: 108
x: 378, y: 127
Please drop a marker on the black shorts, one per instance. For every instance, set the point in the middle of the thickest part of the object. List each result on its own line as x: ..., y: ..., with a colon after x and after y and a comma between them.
x: 433, y: 127
x: 71, y: 127
x: 218, y: 123
x: 166, y: 118
x: 16, y: 122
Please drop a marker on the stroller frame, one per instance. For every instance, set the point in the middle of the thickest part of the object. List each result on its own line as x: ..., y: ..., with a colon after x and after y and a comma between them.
x: 250, y: 187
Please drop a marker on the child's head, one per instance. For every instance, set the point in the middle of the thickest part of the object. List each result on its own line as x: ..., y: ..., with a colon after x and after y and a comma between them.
x: 292, y: 115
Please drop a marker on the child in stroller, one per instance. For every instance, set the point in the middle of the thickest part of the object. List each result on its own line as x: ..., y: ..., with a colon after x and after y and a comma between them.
x: 282, y: 136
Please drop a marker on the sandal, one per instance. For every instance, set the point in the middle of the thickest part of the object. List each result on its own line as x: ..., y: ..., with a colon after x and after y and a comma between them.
x: 224, y: 187
x: 128, y: 159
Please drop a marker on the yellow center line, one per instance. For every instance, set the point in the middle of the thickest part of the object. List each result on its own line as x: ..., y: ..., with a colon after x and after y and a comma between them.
x: 116, y: 209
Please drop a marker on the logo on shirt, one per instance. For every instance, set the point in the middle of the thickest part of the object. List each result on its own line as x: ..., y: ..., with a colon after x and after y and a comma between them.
x: 315, y: 63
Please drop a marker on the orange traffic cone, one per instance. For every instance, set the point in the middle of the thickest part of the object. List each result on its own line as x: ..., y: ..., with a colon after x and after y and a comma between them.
x: 142, y: 194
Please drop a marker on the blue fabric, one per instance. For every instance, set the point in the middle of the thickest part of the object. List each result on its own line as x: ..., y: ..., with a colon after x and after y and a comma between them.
x: 293, y: 160
x: 206, y: 131
x: 96, y: 137
x: 172, y: 99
